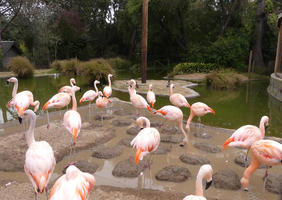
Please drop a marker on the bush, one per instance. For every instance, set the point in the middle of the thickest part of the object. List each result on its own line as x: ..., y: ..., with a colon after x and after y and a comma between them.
x: 186, y: 68
x: 21, y: 66
x: 96, y: 69
x: 68, y: 67
x: 225, y: 79
x: 119, y: 63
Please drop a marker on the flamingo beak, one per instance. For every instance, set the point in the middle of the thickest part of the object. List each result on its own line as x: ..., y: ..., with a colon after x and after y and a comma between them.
x: 7, y: 82
x: 208, y: 184
x: 81, y: 100
x: 212, y: 111
x: 80, y: 90
x: 20, y: 119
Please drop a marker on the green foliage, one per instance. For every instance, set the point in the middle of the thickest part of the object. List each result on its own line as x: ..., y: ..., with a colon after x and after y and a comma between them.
x: 231, y: 51
x: 68, y: 67
x: 187, y: 68
x: 225, y: 79
x: 1, y: 57
x: 21, y: 66
x: 119, y: 63
x: 95, y: 69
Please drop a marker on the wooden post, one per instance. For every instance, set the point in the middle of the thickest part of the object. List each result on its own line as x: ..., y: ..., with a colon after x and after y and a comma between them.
x: 279, y: 44
x: 250, y: 62
x: 144, y: 40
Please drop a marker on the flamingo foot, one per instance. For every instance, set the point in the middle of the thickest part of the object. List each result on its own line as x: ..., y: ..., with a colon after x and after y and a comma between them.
x: 246, y: 189
x: 266, y: 174
x: 48, y: 126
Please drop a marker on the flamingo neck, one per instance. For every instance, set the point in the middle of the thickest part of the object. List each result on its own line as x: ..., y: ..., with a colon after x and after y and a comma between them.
x: 110, y: 83
x: 262, y: 128
x: 74, y: 104
x: 191, y: 116
x: 71, y: 82
x: 95, y: 86
x: 199, y: 185
x: 147, y: 122
x: 15, y: 89
x: 131, y: 90
x: 170, y: 90
x: 29, y: 135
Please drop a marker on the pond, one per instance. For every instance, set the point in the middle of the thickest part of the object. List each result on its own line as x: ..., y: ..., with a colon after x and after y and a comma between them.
x: 234, y: 108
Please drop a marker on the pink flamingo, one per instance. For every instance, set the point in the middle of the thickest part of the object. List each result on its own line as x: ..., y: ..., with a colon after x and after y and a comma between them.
x: 39, y: 158
x: 263, y: 151
x: 108, y: 89
x: 75, y: 185
x: 72, y: 119
x: 102, y: 102
x: 146, y: 141
x: 59, y: 100
x: 246, y: 135
x: 22, y: 100
x: 198, y: 109
x: 173, y: 113
x: 68, y: 88
x: 90, y: 95
x: 151, y: 97
x: 177, y: 99
x: 205, y: 172
x: 137, y: 100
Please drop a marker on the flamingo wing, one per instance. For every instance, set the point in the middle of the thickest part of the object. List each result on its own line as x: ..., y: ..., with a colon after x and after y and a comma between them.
x: 89, y: 95
x: 107, y: 91
x: 59, y: 100
x: 179, y: 100
x: 21, y: 102
x: 193, y: 197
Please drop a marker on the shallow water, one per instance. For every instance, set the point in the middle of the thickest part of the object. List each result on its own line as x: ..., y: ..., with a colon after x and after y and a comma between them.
x: 234, y: 108
x: 219, y: 161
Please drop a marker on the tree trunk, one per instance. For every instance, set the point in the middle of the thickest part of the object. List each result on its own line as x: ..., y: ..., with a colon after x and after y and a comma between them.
x: 259, y: 31
x: 144, y: 40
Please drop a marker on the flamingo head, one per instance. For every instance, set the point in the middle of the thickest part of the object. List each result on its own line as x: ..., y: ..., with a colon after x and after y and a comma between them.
x: 150, y: 87
x: 140, y: 121
x: 28, y: 114
x: 265, y: 120
x: 12, y: 80
x: 132, y: 82
x: 96, y: 82
x: 206, y: 171
x: 110, y: 75
x: 209, y: 110
x: 172, y: 85
x: 72, y: 82
x: 100, y: 94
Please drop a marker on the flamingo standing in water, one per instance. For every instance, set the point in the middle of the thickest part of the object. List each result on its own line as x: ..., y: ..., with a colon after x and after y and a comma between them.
x: 246, y: 135
x: 198, y: 109
x: 108, y: 89
x: 102, y: 102
x: 173, y: 113
x: 68, y: 88
x: 59, y: 100
x: 90, y: 95
x: 205, y: 172
x: 74, y: 185
x: 263, y: 151
x: 72, y: 119
x: 146, y: 141
x: 22, y: 100
x: 137, y: 100
x: 151, y: 97
x: 39, y: 158
x: 177, y: 99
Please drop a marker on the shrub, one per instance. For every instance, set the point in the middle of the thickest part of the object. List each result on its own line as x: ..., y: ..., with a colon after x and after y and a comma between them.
x: 119, y: 63
x: 186, y: 68
x: 95, y: 69
x: 21, y: 66
x: 225, y: 79
x: 68, y: 67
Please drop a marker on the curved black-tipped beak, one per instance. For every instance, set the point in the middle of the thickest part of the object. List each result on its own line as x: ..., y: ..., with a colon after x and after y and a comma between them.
x: 141, y: 128
x: 266, y: 127
x: 7, y: 82
x: 208, y: 184
x: 20, y: 120
x: 74, y: 84
x: 80, y: 90
x: 137, y: 86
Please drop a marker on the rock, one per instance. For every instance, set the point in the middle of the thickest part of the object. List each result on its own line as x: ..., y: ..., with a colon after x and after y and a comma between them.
x: 121, y: 123
x: 105, y: 152
x: 209, y: 148
x: 105, y: 117
x: 126, y: 142
x: 162, y: 149
x: 122, y: 112
x: 155, y: 124
x: 202, y: 135
x: 173, y: 173
x: 91, y: 126
x: 226, y: 179
x: 171, y: 138
x: 170, y: 130
x: 133, y: 130
x: 240, y: 160
x: 274, y: 184
x: 128, y: 168
x: 193, y: 159
x: 85, y: 166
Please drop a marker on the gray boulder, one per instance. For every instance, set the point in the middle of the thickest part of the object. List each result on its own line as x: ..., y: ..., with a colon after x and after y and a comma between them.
x: 133, y: 130
x: 121, y: 123
x: 274, y: 184
x: 128, y: 168
x: 173, y: 173
x: 171, y: 138
x: 209, y: 148
x: 202, y: 135
x: 193, y: 159
x: 104, y: 152
x: 226, y: 179
x: 123, y: 112
x: 85, y: 166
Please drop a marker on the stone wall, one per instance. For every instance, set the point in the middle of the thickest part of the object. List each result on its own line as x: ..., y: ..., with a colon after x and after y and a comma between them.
x: 275, y: 87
